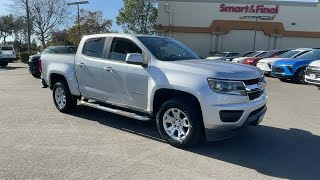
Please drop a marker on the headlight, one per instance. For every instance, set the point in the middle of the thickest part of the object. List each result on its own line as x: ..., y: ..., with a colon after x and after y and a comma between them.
x: 228, y: 87
x: 290, y: 67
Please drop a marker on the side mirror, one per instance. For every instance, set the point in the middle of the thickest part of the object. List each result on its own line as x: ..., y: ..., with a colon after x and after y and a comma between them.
x: 135, y: 58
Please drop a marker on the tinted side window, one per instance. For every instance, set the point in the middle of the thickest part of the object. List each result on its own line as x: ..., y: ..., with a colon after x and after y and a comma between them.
x: 94, y: 47
x: 120, y: 47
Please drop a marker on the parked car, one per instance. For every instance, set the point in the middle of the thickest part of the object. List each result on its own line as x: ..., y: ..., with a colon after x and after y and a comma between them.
x: 60, y: 50
x: 245, y: 54
x: 7, y: 54
x: 294, y: 69
x: 34, y: 60
x: 34, y: 65
x: 142, y: 76
x: 266, y: 64
x: 223, y: 56
x: 313, y: 73
x: 272, y: 54
x: 255, y: 54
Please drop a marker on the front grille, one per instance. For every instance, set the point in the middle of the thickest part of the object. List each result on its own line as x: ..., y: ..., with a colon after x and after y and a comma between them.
x: 313, y: 70
x: 277, y: 70
x: 254, y: 95
x: 253, y: 81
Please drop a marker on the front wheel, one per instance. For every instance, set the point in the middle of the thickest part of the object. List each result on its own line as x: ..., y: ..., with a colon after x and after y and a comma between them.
x: 64, y: 101
x: 300, y: 76
x: 179, y: 123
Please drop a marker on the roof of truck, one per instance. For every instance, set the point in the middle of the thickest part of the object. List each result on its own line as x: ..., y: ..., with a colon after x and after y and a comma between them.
x: 121, y: 35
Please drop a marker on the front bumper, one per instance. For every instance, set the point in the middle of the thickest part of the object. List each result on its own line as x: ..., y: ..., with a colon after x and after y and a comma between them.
x: 216, y: 129
x: 8, y: 60
x: 253, y: 119
x: 282, y: 72
x: 264, y: 67
x: 314, y: 81
x: 282, y: 76
x: 34, y: 70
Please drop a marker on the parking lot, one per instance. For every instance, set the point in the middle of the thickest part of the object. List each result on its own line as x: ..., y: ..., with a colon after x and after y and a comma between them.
x: 36, y: 141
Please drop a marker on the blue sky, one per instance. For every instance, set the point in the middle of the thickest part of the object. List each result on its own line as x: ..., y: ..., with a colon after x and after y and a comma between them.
x: 109, y: 9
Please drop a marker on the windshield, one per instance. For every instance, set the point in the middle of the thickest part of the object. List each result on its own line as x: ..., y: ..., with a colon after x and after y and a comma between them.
x: 310, y: 55
x: 221, y: 54
x: 292, y: 54
x: 167, y: 49
x: 246, y: 54
x: 6, y: 48
x: 262, y: 54
x: 253, y: 54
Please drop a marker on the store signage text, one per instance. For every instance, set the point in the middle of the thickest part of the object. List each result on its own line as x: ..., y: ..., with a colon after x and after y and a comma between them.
x: 250, y: 9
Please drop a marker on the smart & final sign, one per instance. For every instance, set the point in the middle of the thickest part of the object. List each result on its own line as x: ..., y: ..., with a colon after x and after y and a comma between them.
x: 250, y: 9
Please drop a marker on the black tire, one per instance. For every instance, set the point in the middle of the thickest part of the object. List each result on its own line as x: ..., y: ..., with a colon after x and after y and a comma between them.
x: 70, y: 101
x: 196, y: 132
x: 299, y: 77
x: 36, y: 75
x: 4, y: 64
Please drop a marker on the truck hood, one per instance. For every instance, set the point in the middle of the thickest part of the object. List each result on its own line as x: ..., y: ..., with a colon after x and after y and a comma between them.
x: 218, y: 69
x: 315, y: 63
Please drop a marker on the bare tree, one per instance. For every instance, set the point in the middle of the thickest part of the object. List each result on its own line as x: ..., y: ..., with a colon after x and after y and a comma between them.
x: 45, y: 15
x: 10, y: 25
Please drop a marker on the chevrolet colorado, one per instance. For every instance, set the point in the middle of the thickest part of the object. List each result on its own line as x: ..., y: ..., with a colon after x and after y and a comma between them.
x: 158, y: 78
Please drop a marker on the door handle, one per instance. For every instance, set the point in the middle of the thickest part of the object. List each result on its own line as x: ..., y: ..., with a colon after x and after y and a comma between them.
x: 82, y: 65
x: 110, y: 69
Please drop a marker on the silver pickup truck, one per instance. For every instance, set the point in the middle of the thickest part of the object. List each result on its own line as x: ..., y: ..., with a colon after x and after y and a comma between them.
x: 157, y: 78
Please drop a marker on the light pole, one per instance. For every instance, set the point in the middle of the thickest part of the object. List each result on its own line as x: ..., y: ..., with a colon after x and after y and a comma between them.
x: 78, y: 6
x: 255, y: 26
x: 29, y: 28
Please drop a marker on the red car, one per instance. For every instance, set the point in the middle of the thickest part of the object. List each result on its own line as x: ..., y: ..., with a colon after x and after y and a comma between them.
x: 271, y: 54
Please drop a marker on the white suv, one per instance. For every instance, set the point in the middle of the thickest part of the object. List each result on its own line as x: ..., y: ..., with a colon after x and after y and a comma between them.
x: 7, y: 54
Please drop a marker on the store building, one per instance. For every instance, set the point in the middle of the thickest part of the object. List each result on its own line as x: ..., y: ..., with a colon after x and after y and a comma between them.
x: 209, y: 26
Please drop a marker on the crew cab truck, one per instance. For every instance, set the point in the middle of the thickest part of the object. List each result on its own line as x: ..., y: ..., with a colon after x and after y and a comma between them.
x: 157, y: 78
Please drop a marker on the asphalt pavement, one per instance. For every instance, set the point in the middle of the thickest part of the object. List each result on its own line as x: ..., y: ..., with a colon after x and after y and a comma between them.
x: 38, y: 142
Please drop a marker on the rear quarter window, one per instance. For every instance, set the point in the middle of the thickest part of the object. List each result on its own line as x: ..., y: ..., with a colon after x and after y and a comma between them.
x: 94, y: 47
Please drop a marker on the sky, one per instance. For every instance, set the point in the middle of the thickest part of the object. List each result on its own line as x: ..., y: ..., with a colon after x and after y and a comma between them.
x: 109, y: 9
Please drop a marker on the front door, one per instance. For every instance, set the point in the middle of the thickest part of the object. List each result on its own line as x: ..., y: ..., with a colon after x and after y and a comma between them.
x: 130, y: 82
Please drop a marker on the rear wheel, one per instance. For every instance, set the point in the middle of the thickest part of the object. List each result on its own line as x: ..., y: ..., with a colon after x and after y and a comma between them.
x: 4, y: 64
x: 300, y: 76
x: 180, y: 123
x: 64, y: 101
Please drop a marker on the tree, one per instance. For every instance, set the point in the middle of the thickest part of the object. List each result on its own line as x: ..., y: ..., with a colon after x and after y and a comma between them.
x: 59, y: 37
x: 91, y: 22
x: 138, y: 16
x: 9, y: 25
x: 45, y: 15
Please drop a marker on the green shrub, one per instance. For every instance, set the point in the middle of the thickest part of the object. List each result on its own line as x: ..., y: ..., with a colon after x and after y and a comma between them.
x: 24, y: 56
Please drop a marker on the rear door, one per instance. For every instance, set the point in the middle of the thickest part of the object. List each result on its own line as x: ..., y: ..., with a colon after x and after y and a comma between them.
x: 88, y: 68
x: 130, y: 81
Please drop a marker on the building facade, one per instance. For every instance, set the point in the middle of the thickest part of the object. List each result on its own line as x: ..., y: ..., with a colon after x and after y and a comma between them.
x: 209, y: 26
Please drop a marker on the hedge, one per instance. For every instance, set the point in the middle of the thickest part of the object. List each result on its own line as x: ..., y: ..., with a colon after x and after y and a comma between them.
x: 24, y: 56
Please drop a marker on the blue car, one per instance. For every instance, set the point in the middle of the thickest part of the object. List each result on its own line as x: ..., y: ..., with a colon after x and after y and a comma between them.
x: 294, y: 69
